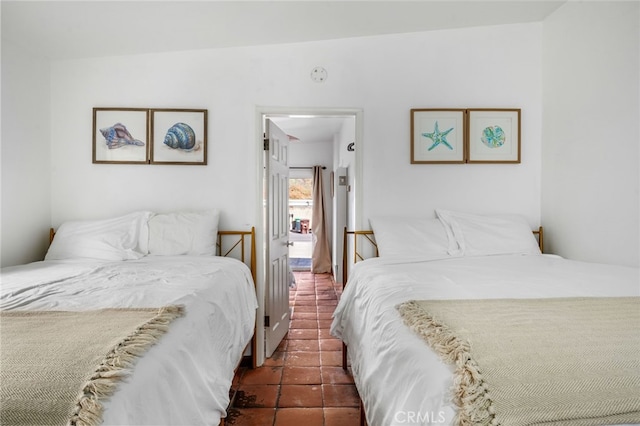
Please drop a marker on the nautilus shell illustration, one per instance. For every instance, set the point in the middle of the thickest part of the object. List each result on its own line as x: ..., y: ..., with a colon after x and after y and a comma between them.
x: 181, y: 136
x: 118, y: 136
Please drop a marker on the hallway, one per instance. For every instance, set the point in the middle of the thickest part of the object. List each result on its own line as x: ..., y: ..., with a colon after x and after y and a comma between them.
x: 303, y: 383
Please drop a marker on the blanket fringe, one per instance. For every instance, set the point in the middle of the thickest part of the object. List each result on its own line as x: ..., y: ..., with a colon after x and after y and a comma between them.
x: 113, y: 367
x: 470, y: 393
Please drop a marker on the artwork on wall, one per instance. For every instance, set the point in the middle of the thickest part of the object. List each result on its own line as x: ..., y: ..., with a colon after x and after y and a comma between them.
x: 458, y: 136
x: 437, y: 136
x: 178, y: 136
x: 120, y: 135
x: 149, y: 136
x: 494, y: 135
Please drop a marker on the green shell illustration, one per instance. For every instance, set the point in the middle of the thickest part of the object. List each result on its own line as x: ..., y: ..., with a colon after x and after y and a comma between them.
x: 493, y: 136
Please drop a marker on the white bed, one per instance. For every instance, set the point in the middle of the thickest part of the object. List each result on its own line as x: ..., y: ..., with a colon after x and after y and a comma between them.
x: 399, y: 378
x: 186, y: 376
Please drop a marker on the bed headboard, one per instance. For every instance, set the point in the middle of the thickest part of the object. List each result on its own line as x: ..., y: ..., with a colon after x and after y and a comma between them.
x: 540, y: 234
x: 367, y: 243
x: 365, y: 246
x: 235, y: 244
x: 238, y: 244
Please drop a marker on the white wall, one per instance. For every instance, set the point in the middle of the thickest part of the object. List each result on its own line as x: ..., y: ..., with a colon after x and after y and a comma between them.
x: 591, y: 157
x: 344, y: 195
x: 26, y: 157
x: 484, y: 67
x: 385, y: 76
x: 190, y: 79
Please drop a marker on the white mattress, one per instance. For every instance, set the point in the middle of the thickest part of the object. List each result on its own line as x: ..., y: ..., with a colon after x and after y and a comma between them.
x: 184, y: 378
x: 400, y: 380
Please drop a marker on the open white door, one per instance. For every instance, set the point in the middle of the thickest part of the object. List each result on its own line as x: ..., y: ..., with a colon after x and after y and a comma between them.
x: 277, y: 233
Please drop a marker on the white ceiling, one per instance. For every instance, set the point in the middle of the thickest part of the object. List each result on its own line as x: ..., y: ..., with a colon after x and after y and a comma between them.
x: 310, y: 129
x: 92, y: 28
x: 61, y: 30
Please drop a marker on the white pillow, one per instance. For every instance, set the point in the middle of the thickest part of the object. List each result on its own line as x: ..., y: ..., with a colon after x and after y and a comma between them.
x: 192, y: 233
x: 409, y: 236
x: 489, y: 234
x: 107, y: 239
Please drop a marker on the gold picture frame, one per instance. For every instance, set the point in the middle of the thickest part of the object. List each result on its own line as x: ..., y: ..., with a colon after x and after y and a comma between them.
x: 120, y: 136
x: 178, y: 136
x: 438, y: 136
x: 494, y: 135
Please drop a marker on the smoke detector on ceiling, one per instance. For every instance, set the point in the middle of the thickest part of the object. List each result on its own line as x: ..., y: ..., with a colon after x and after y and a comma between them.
x: 319, y: 74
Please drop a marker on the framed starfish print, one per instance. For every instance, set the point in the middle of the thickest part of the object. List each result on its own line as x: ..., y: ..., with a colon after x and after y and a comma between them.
x: 438, y: 136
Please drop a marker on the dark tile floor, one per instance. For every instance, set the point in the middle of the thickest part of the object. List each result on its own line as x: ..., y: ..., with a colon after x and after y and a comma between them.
x: 303, y: 383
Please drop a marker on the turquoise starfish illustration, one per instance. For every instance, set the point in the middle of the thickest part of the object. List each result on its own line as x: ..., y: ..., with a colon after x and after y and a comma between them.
x: 438, y: 138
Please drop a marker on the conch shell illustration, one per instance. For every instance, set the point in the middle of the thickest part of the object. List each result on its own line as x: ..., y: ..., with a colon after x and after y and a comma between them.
x: 118, y: 136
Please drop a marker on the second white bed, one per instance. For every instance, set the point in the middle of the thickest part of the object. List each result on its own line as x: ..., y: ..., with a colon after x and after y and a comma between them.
x: 399, y: 378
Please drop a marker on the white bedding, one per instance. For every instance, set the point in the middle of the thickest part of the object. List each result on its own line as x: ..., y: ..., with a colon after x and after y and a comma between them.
x: 184, y: 378
x: 400, y: 380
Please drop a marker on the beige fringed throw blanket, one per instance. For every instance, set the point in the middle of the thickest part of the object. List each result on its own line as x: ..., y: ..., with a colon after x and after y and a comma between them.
x: 57, y: 366
x: 566, y: 361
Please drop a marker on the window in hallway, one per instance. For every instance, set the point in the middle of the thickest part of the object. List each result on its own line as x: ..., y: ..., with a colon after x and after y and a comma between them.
x: 300, y: 207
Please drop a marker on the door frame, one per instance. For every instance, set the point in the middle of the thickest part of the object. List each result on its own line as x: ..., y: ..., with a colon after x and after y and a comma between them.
x: 261, y: 112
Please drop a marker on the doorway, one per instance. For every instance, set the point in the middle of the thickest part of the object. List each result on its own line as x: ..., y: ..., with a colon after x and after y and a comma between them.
x: 340, y: 150
x: 327, y: 141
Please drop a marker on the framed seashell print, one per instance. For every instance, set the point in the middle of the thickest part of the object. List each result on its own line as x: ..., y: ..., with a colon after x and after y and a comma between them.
x: 120, y: 135
x: 178, y: 136
x: 494, y: 135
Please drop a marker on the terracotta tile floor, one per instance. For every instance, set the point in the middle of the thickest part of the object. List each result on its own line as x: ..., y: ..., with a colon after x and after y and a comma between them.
x: 303, y: 383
